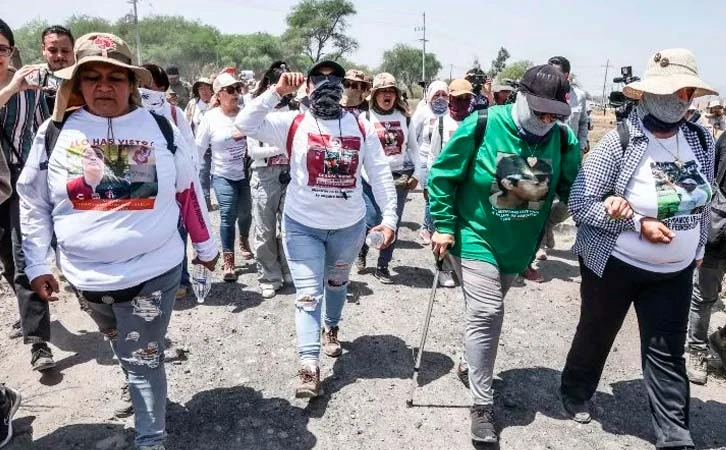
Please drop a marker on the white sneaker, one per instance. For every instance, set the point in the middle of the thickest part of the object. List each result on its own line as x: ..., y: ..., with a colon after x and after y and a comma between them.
x: 446, y: 279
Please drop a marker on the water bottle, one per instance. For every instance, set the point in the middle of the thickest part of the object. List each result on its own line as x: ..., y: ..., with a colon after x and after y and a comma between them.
x: 375, y: 239
x: 201, y: 282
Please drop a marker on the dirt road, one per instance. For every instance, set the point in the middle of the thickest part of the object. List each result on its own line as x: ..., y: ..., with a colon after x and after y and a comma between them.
x: 231, y: 385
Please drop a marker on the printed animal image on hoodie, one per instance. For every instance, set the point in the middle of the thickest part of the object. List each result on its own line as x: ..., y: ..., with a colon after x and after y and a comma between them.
x: 111, y: 177
x: 680, y: 188
x: 520, y: 186
x: 332, y: 161
x: 391, y: 137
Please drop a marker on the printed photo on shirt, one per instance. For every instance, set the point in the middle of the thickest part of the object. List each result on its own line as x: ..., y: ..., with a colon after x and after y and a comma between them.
x: 520, y: 186
x: 111, y: 177
x: 680, y: 188
x: 391, y: 136
x: 332, y: 161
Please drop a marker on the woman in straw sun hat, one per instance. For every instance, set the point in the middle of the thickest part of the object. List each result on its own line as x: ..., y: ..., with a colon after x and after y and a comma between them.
x: 112, y: 192
x: 638, y: 244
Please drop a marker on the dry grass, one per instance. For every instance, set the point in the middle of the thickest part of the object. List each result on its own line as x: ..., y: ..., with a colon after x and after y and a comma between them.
x: 601, y: 124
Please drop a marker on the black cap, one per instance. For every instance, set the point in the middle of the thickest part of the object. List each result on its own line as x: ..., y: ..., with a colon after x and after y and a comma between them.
x: 546, y: 90
x: 337, y: 68
x: 172, y: 70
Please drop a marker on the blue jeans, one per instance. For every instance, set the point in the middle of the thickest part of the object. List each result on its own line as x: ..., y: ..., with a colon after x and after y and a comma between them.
x: 374, y: 217
x: 428, y: 222
x: 136, y: 330
x: 319, y: 262
x: 235, y: 205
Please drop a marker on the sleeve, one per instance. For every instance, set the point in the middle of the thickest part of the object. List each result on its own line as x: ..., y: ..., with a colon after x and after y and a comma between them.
x: 569, y: 166
x: 447, y: 172
x: 36, y: 220
x: 413, y: 151
x: 594, y: 183
x: 41, y: 111
x: 186, y: 133
x: 378, y: 171
x: 258, y: 121
x: 193, y: 212
x: 583, y: 125
x: 257, y: 151
x: 711, y: 151
x: 204, y: 136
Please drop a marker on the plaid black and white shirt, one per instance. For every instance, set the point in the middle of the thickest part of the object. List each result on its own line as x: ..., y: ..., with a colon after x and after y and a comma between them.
x: 607, y: 171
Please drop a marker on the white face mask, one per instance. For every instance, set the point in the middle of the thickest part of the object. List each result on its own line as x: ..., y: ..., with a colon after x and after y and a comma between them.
x: 153, y: 100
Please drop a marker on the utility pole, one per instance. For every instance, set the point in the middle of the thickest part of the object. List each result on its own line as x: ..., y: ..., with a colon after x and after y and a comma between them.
x: 451, y: 71
x: 604, y: 83
x: 138, y: 33
x: 423, y: 51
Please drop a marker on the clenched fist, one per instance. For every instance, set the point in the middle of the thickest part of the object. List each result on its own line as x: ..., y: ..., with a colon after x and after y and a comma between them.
x: 289, y: 83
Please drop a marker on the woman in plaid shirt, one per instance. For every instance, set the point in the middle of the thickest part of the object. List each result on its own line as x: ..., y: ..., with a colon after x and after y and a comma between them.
x: 642, y: 206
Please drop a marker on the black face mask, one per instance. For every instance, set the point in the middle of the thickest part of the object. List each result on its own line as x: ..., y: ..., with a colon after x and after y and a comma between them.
x: 325, y: 101
x: 653, y: 124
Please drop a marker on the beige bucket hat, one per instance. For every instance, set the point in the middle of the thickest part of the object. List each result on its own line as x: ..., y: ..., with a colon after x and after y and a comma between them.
x: 668, y: 71
x: 96, y: 47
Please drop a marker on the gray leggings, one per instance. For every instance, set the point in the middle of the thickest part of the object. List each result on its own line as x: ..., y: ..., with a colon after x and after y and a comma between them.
x: 484, y: 290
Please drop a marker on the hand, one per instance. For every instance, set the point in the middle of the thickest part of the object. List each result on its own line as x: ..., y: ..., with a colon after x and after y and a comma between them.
x: 440, y: 243
x: 45, y: 286
x: 19, y: 82
x: 388, y: 235
x: 211, y: 265
x: 618, y: 208
x: 487, y: 88
x: 289, y: 83
x: 656, y: 231
x: 411, y: 183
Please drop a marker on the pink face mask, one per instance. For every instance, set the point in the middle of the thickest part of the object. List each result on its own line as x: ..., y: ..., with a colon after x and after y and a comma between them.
x: 460, y: 107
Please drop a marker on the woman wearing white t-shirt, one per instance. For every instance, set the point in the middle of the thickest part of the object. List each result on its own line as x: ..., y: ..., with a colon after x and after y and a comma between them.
x: 642, y: 206
x: 324, y: 218
x: 229, y: 177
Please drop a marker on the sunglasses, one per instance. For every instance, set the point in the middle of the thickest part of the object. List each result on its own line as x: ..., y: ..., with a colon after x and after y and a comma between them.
x: 319, y: 79
x: 234, y: 89
x: 354, y: 85
x: 544, y: 115
x: 5, y: 50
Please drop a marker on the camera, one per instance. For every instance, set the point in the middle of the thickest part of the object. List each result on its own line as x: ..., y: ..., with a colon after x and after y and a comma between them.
x: 477, y: 78
x: 621, y: 104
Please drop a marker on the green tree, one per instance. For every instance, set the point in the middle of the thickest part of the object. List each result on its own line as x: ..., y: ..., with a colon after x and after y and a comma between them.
x: 515, y: 71
x: 404, y: 62
x: 317, y: 29
x: 27, y: 40
x: 499, y: 63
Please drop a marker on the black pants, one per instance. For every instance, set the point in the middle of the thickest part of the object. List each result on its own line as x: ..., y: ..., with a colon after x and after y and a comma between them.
x: 661, y: 304
x: 34, y: 312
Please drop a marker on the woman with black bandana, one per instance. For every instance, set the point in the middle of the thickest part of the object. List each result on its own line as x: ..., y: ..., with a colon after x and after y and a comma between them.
x: 638, y: 244
x: 524, y: 158
x: 324, y: 217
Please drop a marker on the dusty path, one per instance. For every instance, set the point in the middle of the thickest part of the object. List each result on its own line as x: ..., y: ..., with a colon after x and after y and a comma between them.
x: 233, y: 389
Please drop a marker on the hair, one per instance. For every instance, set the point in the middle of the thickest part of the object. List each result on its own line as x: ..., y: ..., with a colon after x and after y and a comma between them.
x: 57, y: 29
x: 561, y: 62
x: 7, y: 32
x: 270, y: 77
x: 161, y: 80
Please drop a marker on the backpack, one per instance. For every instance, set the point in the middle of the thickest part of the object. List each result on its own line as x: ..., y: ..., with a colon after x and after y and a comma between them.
x: 296, y: 124
x: 54, y: 130
x: 716, y: 244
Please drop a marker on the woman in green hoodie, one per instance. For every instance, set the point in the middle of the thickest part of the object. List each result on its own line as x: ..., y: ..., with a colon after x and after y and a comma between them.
x: 489, y: 203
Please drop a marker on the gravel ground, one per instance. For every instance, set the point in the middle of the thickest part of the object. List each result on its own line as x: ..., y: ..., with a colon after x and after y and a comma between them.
x: 232, y: 371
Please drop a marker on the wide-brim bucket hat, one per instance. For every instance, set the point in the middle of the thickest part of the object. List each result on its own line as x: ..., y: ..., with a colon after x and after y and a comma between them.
x: 669, y: 71
x: 199, y: 82
x: 97, y: 47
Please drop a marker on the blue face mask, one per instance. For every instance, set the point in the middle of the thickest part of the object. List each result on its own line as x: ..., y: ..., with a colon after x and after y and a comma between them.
x: 440, y: 106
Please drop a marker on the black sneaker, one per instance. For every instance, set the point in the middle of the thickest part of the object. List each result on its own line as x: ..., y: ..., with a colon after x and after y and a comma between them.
x: 16, y: 331
x: 9, y: 404
x: 360, y: 262
x: 41, y: 357
x: 576, y: 410
x: 462, y: 373
x: 383, y: 275
x: 482, y: 424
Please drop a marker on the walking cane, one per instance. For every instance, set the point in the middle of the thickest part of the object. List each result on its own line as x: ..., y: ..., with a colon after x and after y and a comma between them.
x: 417, y: 364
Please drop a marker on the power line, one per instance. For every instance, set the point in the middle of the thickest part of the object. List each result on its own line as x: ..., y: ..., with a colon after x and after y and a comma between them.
x: 423, y: 41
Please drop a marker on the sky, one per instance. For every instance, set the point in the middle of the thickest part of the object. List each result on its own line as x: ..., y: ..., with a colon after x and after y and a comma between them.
x: 588, y: 32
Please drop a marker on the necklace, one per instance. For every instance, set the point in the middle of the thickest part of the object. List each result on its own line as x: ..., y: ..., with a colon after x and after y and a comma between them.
x: 677, y: 157
x: 531, y: 159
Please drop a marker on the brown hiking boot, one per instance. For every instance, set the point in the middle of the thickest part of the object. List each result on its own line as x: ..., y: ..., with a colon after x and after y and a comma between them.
x: 244, y: 249
x: 331, y: 344
x: 309, y: 382
x: 228, y: 267
x: 697, y: 366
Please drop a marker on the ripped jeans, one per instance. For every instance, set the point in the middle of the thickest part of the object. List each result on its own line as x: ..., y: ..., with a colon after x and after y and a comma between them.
x: 136, y: 330
x: 319, y: 262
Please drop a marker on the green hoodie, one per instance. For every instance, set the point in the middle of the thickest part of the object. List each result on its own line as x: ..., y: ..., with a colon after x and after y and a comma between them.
x: 496, y: 207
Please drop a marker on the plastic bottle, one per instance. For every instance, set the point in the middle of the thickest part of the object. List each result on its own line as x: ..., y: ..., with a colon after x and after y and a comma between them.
x: 375, y: 239
x: 201, y: 282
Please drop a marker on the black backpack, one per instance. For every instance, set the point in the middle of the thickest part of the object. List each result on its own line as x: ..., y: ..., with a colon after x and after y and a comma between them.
x: 54, y: 129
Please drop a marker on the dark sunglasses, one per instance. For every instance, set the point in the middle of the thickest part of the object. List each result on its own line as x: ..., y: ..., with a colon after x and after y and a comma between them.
x: 234, y: 89
x: 348, y: 84
x: 542, y: 115
x: 319, y: 79
x: 5, y: 50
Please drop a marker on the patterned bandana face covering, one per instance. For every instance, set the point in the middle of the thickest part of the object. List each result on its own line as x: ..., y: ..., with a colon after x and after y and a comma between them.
x: 439, y: 106
x: 527, y: 120
x: 460, y: 107
x: 325, y: 100
x: 153, y: 100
